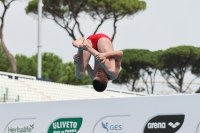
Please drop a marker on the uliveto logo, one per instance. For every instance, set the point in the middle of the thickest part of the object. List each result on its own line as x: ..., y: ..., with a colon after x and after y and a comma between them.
x: 112, y: 127
x: 164, y: 124
x: 66, y: 125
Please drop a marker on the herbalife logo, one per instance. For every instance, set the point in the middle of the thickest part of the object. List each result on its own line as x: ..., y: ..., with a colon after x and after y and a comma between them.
x: 26, y: 129
x: 112, y: 127
x: 66, y: 125
x: 164, y: 124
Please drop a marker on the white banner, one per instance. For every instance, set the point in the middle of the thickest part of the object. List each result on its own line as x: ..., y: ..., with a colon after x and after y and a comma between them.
x: 154, y: 114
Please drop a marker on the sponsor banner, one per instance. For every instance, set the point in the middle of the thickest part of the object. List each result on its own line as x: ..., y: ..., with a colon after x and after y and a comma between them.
x: 164, y: 124
x: 21, y: 125
x: 153, y: 114
x: 113, y: 124
x: 66, y: 125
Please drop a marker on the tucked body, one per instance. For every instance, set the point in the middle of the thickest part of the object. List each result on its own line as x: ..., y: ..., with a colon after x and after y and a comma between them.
x: 107, y: 61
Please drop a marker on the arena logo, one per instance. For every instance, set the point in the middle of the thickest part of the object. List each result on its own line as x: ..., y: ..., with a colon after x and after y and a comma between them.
x: 112, y: 127
x: 66, y: 125
x: 164, y: 124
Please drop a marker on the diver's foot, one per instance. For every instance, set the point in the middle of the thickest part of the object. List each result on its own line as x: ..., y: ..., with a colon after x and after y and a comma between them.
x: 78, y: 42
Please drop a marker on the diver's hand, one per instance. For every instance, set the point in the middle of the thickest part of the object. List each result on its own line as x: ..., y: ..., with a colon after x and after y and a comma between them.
x: 101, y: 57
x: 77, y: 59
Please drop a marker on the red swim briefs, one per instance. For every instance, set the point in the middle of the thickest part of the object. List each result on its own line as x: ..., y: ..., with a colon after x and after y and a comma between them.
x: 95, y: 38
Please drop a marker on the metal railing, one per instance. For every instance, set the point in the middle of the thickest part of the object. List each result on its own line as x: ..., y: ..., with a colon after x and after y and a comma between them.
x: 16, y: 76
x: 5, y: 96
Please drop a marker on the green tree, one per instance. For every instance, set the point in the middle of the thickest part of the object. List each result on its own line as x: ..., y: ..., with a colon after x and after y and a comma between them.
x: 26, y: 65
x: 6, y: 4
x: 196, y: 70
x: 52, y: 66
x: 196, y: 66
x: 136, y: 64
x: 126, y: 78
x: 130, y: 56
x: 149, y: 66
x: 66, y: 13
x: 4, y: 63
x: 71, y: 78
x: 175, y: 63
x: 53, y: 69
x: 198, y: 91
x: 114, y: 10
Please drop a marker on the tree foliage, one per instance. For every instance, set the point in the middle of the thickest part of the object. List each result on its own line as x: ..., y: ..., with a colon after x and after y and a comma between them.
x: 71, y: 78
x: 126, y: 78
x: 172, y: 64
x: 176, y: 62
x: 114, y: 10
x: 136, y: 64
x: 4, y: 63
x: 196, y: 66
x: 130, y: 57
x: 6, y: 4
x: 26, y: 65
x: 149, y: 69
x: 198, y: 91
x: 53, y: 68
x: 66, y: 13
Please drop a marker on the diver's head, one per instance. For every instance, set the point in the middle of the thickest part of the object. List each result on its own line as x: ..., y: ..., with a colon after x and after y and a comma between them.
x: 100, y: 81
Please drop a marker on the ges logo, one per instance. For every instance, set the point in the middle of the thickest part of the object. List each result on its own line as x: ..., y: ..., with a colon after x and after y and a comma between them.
x: 108, y: 127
